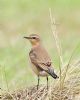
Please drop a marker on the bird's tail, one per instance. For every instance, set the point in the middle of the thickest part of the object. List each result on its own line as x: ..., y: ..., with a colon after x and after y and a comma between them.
x: 50, y: 71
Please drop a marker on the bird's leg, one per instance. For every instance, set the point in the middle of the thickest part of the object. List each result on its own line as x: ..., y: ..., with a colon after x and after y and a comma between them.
x: 47, y: 82
x: 38, y: 82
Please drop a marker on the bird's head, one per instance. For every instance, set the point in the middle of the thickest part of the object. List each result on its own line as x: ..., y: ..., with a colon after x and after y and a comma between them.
x: 34, y: 39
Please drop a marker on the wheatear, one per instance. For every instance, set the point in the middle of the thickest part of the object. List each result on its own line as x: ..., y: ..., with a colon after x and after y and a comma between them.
x: 41, y: 62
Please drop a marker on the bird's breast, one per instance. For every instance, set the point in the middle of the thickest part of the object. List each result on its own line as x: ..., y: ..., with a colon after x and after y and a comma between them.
x: 34, y: 69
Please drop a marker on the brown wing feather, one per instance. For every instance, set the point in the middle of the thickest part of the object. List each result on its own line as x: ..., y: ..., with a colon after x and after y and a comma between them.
x: 40, y: 56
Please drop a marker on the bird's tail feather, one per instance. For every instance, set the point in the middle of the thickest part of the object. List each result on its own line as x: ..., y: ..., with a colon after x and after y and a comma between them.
x: 50, y: 71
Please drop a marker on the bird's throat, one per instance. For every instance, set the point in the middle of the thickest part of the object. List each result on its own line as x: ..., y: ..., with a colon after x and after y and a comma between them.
x: 35, y: 44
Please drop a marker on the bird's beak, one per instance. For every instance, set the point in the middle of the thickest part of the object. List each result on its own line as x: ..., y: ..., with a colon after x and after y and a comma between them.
x: 27, y: 37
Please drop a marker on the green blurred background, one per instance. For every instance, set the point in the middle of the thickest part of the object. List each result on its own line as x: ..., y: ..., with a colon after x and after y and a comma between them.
x: 19, y: 18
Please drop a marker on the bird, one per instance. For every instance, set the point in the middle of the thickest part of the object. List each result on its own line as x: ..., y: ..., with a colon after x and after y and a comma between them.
x: 40, y: 59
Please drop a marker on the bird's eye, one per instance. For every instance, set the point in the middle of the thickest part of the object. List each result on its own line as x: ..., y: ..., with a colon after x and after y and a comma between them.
x: 34, y: 37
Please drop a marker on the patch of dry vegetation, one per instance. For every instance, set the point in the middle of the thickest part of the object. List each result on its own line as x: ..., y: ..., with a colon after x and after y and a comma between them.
x: 69, y: 91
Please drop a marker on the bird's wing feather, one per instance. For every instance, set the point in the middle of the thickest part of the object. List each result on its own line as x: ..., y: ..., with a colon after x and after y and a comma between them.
x: 40, y: 57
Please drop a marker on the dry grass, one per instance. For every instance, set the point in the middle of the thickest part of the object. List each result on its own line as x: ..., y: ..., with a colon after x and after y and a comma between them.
x: 70, y: 90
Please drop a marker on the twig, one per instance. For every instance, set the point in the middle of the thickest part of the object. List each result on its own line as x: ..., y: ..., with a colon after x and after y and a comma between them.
x: 53, y: 28
x: 58, y: 46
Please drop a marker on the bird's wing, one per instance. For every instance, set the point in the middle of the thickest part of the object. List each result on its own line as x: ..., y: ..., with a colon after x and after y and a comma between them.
x: 41, y: 59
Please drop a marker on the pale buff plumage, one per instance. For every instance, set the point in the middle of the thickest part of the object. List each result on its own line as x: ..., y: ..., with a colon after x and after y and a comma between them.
x: 41, y: 61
